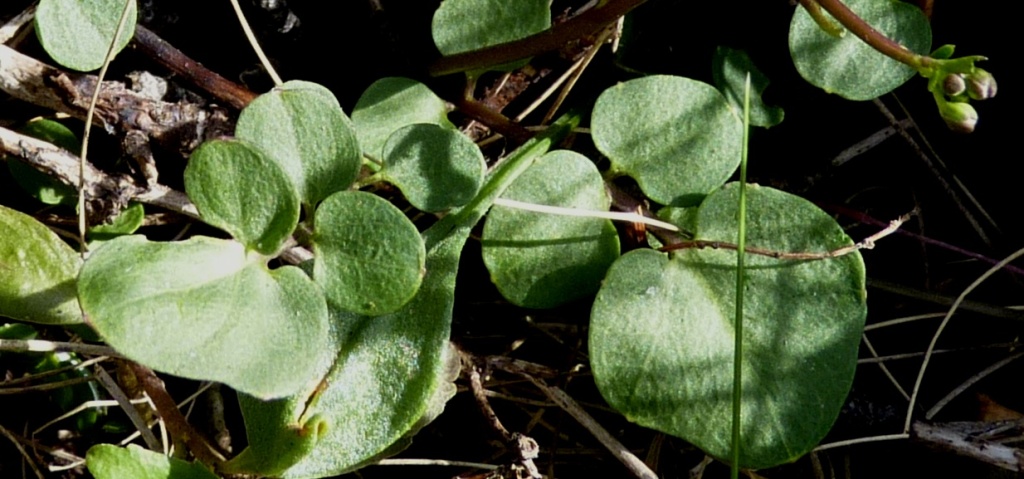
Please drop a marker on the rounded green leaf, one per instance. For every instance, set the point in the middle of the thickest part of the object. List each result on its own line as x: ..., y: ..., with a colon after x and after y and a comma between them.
x: 435, y: 167
x: 125, y: 223
x: 107, y: 461
x: 369, y: 256
x: 301, y: 126
x: 37, y: 272
x: 661, y: 338
x: 77, y: 34
x: 730, y: 67
x: 846, y: 65
x: 540, y: 260
x: 676, y: 137
x: 464, y: 25
x: 238, y: 189
x: 391, y: 103
x: 204, y: 309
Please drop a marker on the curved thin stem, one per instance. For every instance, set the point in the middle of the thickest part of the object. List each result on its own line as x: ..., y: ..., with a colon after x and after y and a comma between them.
x: 255, y: 44
x: 868, y: 34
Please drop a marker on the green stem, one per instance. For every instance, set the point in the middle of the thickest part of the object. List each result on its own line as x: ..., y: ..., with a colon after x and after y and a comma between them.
x: 741, y: 241
x: 587, y: 23
x: 824, y: 22
x: 868, y: 34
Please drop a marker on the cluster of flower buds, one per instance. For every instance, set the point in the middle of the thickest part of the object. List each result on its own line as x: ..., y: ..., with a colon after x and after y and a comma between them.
x: 958, y: 89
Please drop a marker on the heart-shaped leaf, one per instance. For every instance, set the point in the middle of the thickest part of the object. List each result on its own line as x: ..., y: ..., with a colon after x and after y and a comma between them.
x: 369, y: 256
x: 107, y: 461
x: 204, y: 309
x: 661, y: 337
x: 849, y: 67
x: 729, y: 68
x: 77, y: 34
x: 391, y: 103
x: 435, y: 167
x: 37, y: 272
x: 464, y: 25
x: 676, y: 137
x: 240, y: 190
x: 540, y: 260
x: 301, y: 126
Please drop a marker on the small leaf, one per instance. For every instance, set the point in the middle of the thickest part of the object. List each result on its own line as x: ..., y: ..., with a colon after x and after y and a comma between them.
x: 107, y: 461
x: 729, y: 67
x: 77, y: 34
x: 37, y: 272
x: 436, y: 168
x: 661, y: 338
x: 391, y: 103
x: 464, y: 25
x: 849, y: 67
x: 369, y: 256
x: 204, y: 309
x: 127, y: 222
x: 540, y: 260
x: 676, y: 137
x: 301, y: 126
x: 238, y: 189
x: 38, y: 184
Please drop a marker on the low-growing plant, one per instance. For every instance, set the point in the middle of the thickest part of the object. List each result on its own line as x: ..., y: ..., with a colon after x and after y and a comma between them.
x: 329, y: 311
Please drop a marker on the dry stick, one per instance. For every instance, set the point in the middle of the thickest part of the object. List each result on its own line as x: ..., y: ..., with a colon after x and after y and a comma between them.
x: 10, y: 30
x: 867, y: 243
x: 122, y: 399
x: 942, y: 326
x: 526, y: 448
x: 435, y: 463
x: 893, y: 357
x: 42, y: 346
x: 53, y: 372
x: 564, y: 401
x: 970, y: 382
x: 175, y: 420
x: 939, y: 173
x: 884, y: 368
x: 908, y: 319
x: 966, y: 305
x: 44, y: 386
x: 174, y: 60
x: 861, y: 440
x: 9, y: 435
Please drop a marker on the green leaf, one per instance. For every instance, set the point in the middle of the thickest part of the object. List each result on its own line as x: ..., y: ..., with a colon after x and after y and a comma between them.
x: 661, y: 338
x: 369, y: 256
x: 391, y: 103
x: 77, y: 34
x: 204, y: 309
x: 436, y: 168
x: 37, y: 272
x: 38, y: 184
x: 127, y: 222
x: 676, y: 137
x: 464, y: 25
x: 393, y: 370
x: 849, y: 67
x: 301, y: 126
x: 237, y: 188
x: 107, y: 461
x: 539, y: 260
x: 729, y: 68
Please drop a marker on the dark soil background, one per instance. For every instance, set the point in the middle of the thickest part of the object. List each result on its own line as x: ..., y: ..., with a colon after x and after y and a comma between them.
x: 348, y: 45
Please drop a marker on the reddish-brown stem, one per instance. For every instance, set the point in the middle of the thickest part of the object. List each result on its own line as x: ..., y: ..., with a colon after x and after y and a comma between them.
x: 868, y: 34
x: 175, y: 420
x: 173, y: 59
x: 587, y: 23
